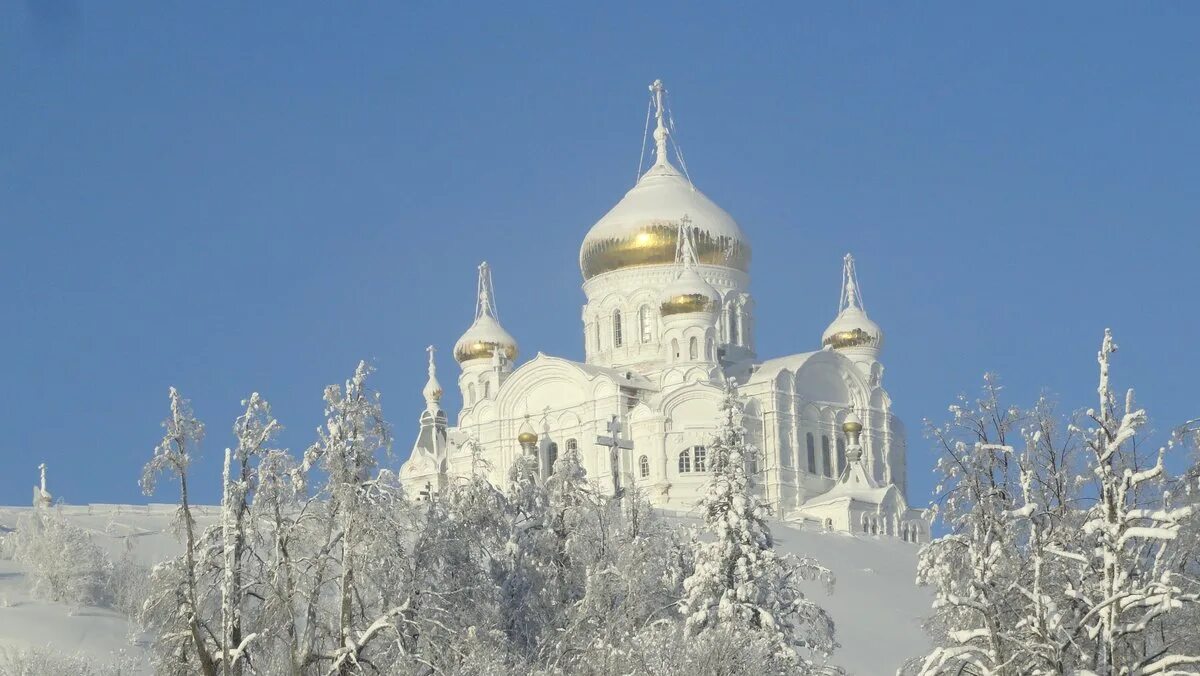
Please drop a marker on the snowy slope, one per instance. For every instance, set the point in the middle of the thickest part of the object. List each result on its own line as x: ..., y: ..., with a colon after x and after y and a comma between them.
x: 876, y: 606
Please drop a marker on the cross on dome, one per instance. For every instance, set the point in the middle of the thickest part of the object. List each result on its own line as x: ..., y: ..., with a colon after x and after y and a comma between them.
x: 851, y: 297
x: 660, y: 130
x: 485, y: 304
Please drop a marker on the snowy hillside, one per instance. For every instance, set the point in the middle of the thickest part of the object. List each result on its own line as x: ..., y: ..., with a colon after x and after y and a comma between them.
x: 875, y: 604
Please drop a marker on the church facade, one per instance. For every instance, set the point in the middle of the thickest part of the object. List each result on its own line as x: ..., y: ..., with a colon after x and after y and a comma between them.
x: 668, y: 323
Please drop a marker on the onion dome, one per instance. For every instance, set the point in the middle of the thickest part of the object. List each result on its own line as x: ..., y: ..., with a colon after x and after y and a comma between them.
x: 852, y: 328
x: 851, y: 425
x: 433, y: 389
x: 527, y: 437
x: 641, y: 229
x: 486, y: 337
x: 688, y: 292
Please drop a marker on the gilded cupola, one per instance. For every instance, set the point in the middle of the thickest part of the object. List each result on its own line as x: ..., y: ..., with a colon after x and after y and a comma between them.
x: 486, y: 338
x: 641, y: 229
x: 852, y: 329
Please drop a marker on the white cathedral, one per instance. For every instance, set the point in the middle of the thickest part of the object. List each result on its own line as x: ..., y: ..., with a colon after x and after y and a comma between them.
x: 668, y: 323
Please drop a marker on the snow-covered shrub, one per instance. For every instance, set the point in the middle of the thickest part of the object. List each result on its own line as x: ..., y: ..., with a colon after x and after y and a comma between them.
x: 129, y: 585
x: 48, y: 661
x: 63, y: 563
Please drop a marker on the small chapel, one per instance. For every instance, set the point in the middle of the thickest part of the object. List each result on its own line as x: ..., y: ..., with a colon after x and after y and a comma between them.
x: 668, y: 324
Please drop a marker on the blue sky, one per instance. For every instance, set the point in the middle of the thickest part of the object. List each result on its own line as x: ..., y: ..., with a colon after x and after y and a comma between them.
x: 229, y: 198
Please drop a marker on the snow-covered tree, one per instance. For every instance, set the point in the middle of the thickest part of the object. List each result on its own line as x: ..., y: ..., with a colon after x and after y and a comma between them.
x: 740, y: 582
x: 1130, y: 585
x: 1064, y: 554
x: 173, y: 456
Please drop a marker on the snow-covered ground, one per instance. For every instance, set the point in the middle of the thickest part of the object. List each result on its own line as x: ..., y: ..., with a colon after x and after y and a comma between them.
x: 877, y: 608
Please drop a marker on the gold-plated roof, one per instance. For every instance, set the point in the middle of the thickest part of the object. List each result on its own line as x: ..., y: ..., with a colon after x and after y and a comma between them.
x: 483, y: 350
x: 685, y: 303
x: 655, y: 244
x: 855, y: 337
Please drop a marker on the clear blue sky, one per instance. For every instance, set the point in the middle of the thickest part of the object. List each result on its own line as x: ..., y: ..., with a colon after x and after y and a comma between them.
x: 228, y: 198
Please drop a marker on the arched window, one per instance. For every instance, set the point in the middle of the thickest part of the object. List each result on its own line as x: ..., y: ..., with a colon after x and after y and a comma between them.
x: 708, y: 349
x: 733, y: 325
x: 693, y: 348
x: 828, y: 524
x: 470, y: 393
x: 598, y: 330
x: 551, y: 457
x: 644, y: 324
x: 785, y: 449
x: 674, y: 350
x: 685, y: 461
x: 572, y: 445
x: 865, y: 526
x: 617, y: 342
x: 826, y: 457
x: 841, y: 456
x: 812, y: 453
x: 751, y: 463
x: 699, y: 454
x: 487, y: 389
x: 644, y: 466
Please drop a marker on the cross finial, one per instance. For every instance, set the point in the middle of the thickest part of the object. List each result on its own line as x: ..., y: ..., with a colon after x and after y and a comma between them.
x: 660, y: 130
x: 851, y: 296
x: 484, y: 302
x: 433, y: 389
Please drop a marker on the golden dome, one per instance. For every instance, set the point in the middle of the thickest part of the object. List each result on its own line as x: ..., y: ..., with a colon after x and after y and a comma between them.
x: 643, y: 227
x: 852, y: 426
x: 483, y: 339
x: 527, y: 437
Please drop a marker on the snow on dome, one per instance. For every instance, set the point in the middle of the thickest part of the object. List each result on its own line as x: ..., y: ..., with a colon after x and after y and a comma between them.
x: 483, y: 339
x: 688, y: 293
x: 852, y: 328
x: 641, y: 228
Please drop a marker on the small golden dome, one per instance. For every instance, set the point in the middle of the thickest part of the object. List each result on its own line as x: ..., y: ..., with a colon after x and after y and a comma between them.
x: 689, y: 302
x: 527, y: 437
x: 851, y: 426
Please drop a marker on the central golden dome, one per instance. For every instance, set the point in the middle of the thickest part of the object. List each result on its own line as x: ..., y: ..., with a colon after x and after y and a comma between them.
x: 642, y: 228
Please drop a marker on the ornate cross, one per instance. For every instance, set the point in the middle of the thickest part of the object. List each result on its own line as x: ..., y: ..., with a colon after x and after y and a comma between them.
x: 614, y: 442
